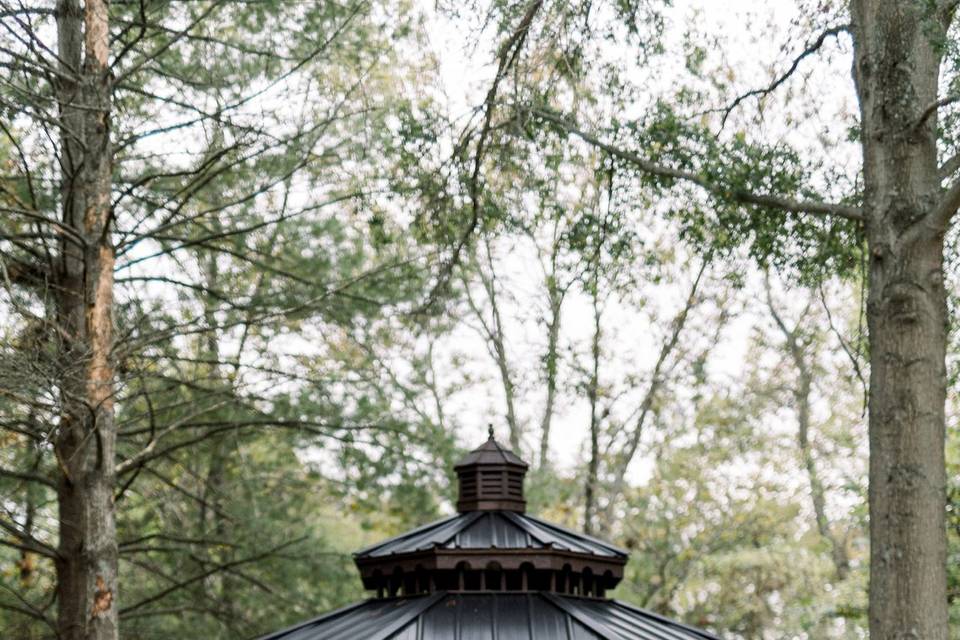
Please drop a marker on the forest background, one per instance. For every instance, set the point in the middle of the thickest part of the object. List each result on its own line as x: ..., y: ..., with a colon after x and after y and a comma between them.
x: 348, y: 236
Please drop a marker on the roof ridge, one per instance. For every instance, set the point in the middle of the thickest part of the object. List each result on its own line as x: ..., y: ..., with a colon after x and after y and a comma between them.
x: 503, y: 452
x: 519, y: 521
x: 532, y: 525
x: 406, y: 534
x: 409, y: 616
x: 496, y: 454
x: 660, y: 618
x: 590, y: 623
x: 326, y: 616
x: 603, y: 543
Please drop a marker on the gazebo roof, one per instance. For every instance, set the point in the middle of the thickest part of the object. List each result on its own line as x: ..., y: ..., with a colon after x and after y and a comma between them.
x: 504, y: 616
x: 491, y: 572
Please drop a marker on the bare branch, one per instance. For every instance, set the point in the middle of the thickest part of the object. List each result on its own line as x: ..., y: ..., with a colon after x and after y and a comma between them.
x: 931, y: 109
x: 27, y: 477
x: 853, y: 353
x: 73, y: 234
x: 657, y: 379
x: 25, y: 541
x: 204, y: 574
x: 779, y: 80
x: 950, y: 166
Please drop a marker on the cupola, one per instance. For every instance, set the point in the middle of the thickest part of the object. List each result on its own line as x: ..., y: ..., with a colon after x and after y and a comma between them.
x: 491, y: 479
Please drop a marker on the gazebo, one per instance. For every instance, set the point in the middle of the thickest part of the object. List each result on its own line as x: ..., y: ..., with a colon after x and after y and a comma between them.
x: 491, y: 572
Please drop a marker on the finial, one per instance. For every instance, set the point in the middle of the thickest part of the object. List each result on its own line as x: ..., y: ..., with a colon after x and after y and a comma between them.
x: 490, y: 430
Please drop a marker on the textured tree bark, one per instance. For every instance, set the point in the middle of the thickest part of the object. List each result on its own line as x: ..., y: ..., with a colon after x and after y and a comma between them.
x: 86, y: 438
x: 896, y: 69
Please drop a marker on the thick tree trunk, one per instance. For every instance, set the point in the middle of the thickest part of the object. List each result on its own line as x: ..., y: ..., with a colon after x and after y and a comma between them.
x: 907, y: 320
x: 896, y: 67
x: 85, y: 445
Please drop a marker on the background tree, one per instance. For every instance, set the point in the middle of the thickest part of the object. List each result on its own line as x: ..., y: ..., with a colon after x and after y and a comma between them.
x: 174, y: 173
x: 762, y: 195
x: 307, y: 234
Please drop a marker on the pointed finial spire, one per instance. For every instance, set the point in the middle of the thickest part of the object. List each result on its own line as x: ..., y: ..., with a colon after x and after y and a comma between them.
x: 490, y: 430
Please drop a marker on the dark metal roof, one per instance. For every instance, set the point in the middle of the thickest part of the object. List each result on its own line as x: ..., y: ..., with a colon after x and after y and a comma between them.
x: 491, y: 572
x: 491, y: 530
x: 491, y: 616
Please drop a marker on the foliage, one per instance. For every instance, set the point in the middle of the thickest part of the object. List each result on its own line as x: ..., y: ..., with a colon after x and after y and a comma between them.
x: 299, y: 287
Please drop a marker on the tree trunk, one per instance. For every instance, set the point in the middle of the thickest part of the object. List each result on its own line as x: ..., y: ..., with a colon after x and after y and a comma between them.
x: 802, y: 392
x: 896, y: 68
x: 593, y: 393
x: 907, y: 321
x: 493, y: 332
x: 86, y: 438
x: 555, y: 297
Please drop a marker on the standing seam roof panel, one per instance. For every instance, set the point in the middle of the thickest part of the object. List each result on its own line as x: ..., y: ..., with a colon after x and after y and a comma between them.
x: 492, y: 615
x: 616, y: 621
x: 559, y: 538
x: 492, y: 530
x: 689, y: 630
x: 430, y: 525
x: 581, y: 537
x: 422, y: 540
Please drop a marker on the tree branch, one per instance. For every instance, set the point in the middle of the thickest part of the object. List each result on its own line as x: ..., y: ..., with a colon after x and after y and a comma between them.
x: 204, y: 574
x: 27, y: 477
x: 939, y: 218
x: 779, y: 80
x: 932, y: 108
x: 787, y: 205
x: 950, y: 166
x: 506, y: 56
x: 24, y: 541
x: 657, y: 379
